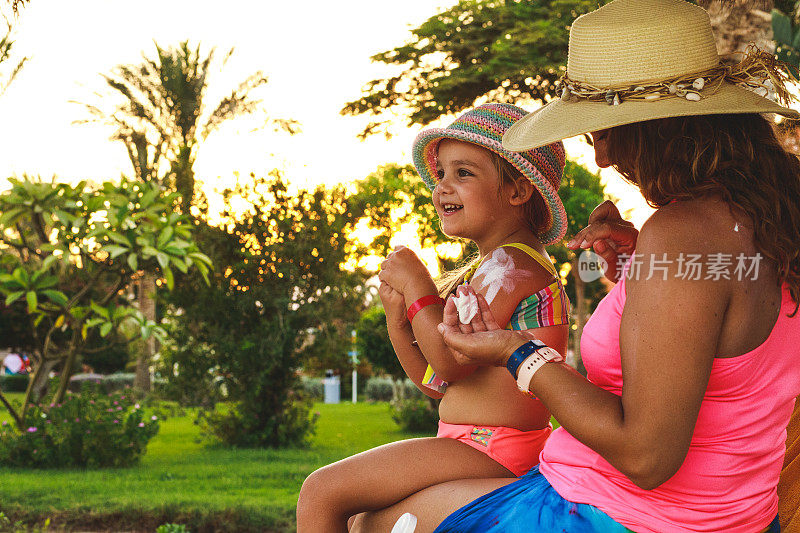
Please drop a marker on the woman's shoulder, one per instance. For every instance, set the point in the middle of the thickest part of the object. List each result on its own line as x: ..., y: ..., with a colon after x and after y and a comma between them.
x: 688, y: 225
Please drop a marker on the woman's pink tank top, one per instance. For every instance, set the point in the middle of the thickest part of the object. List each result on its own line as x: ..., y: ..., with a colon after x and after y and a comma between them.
x: 729, y: 478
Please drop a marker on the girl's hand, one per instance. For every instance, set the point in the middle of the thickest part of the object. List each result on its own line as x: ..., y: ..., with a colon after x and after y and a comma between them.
x: 394, y: 305
x: 482, y: 341
x: 609, y: 235
x: 402, y: 268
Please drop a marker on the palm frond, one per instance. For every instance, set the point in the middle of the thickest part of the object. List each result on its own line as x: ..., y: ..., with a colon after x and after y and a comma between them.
x: 239, y: 102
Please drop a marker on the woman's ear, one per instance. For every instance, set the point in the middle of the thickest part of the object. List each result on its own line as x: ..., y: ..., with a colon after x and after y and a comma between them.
x: 521, y: 192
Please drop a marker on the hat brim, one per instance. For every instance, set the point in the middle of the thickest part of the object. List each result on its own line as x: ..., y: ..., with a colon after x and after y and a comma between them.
x: 424, y: 157
x: 561, y: 119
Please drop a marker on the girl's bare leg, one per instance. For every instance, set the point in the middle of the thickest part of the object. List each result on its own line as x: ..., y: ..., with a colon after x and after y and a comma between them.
x: 383, y: 476
x: 430, y: 505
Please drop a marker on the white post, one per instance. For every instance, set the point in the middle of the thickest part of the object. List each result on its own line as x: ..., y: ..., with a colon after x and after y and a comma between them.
x: 354, y: 360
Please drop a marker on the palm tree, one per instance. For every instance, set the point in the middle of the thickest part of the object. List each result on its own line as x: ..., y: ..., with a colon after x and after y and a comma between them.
x: 163, y: 114
x: 163, y: 120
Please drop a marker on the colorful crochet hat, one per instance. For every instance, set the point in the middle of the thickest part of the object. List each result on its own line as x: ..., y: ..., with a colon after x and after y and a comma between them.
x: 485, y: 126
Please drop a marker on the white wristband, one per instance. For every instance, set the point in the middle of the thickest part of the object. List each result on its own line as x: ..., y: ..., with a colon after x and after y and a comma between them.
x: 534, y: 362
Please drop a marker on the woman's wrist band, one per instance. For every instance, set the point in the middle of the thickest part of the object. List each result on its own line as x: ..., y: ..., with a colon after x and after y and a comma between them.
x: 522, y: 353
x: 425, y: 301
x: 535, y: 355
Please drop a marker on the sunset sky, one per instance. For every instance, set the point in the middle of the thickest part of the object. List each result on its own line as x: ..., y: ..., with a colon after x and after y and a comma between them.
x: 315, y: 53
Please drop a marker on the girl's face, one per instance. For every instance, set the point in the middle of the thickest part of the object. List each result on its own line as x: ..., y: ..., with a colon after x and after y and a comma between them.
x: 601, y: 148
x: 466, y: 196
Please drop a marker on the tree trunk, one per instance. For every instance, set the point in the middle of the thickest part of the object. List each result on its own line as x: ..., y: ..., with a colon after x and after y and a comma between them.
x: 183, y: 177
x: 580, y: 317
x: 147, y: 305
x: 37, y: 386
x: 66, y: 373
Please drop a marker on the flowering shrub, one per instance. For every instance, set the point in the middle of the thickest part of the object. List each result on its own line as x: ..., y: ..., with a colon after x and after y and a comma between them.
x: 90, y: 429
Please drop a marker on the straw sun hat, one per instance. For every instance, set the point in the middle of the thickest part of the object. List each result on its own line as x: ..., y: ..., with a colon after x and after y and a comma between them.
x: 484, y: 126
x: 637, y: 60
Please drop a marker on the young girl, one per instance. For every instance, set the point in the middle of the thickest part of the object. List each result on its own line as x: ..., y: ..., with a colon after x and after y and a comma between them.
x: 507, y: 204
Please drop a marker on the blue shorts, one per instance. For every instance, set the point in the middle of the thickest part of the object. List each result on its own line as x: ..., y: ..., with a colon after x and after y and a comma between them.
x: 532, y: 504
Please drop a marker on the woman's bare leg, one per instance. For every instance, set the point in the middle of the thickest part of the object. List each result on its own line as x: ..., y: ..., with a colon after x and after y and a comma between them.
x: 383, y: 476
x: 430, y: 505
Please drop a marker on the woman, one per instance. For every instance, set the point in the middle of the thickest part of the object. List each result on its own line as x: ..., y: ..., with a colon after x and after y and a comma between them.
x: 693, y: 357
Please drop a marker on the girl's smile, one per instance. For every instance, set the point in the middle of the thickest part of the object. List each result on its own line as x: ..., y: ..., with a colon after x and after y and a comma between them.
x: 466, y: 195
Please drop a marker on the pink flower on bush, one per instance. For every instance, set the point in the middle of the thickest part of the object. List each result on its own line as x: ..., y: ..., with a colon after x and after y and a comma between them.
x: 116, y: 421
x: 141, y: 424
x: 32, y: 429
x: 154, y: 417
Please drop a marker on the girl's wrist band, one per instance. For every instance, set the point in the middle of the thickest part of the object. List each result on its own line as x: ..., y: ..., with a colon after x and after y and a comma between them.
x: 416, y: 307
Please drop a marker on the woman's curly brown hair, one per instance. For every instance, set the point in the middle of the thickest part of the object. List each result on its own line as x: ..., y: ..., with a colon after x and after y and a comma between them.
x: 737, y: 156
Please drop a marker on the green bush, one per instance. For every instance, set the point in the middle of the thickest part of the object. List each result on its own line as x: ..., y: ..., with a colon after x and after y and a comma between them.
x: 382, y: 389
x: 379, y: 389
x: 238, y: 425
x: 164, y: 409
x: 118, y: 381
x: 79, y: 381
x: 14, y: 383
x: 90, y: 429
x: 313, y: 388
x: 187, y: 367
x: 172, y: 528
x: 415, y: 414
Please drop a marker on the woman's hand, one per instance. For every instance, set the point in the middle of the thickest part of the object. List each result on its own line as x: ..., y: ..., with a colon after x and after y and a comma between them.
x: 482, y: 341
x: 609, y: 235
x: 394, y: 305
x: 402, y: 268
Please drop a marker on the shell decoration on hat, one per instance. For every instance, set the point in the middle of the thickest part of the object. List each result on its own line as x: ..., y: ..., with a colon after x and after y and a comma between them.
x: 759, y: 71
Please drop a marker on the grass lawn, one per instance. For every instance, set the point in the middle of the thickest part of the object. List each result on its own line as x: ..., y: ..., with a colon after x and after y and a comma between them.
x: 184, y: 480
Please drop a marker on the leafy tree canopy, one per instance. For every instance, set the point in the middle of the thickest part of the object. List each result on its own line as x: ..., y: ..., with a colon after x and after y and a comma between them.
x: 281, y: 292
x: 373, y: 343
x: 502, y: 49
x: 70, y: 254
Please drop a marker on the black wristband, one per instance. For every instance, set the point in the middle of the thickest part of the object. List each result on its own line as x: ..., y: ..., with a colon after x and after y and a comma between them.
x: 522, y: 353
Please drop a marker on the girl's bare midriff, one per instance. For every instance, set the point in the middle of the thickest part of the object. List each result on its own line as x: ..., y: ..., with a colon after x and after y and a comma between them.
x: 489, y: 397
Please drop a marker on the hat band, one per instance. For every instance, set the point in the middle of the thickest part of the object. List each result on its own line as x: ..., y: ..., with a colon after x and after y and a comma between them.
x: 759, y: 71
